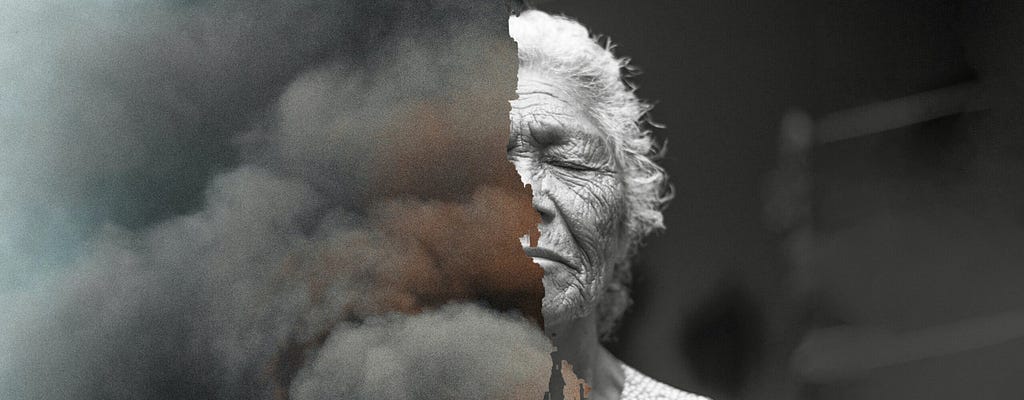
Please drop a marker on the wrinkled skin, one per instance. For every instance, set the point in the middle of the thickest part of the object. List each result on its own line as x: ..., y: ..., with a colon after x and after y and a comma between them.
x: 559, y: 150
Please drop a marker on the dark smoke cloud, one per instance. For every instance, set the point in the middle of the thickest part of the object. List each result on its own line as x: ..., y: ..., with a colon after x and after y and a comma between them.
x: 121, y: 110
x: 403, y: 354
x: 355, y: 185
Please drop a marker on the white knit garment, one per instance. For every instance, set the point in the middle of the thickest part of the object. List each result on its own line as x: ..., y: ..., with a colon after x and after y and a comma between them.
x: 641, y: 387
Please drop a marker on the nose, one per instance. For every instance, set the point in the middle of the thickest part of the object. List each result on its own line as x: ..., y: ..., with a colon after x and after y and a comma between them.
x: 542, y: 201
x: 544, y: 206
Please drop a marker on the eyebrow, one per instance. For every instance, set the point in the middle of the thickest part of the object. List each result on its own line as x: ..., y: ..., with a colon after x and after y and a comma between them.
x: 555, y: 137
x: 550, y: 124
x: 547, y: 134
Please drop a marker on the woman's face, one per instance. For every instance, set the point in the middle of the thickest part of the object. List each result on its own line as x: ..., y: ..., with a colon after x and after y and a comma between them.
x: 559, y: 150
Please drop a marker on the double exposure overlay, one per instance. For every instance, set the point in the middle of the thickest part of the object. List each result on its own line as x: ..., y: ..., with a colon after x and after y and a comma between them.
x: 300, y: 200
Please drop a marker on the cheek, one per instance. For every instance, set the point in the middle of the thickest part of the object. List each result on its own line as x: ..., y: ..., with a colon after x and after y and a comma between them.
x: 594, y: 209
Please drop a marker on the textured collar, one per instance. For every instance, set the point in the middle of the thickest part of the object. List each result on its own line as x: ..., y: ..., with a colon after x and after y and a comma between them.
x: 642, y: 387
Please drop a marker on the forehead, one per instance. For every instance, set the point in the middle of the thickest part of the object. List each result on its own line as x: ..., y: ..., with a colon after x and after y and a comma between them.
x: 544, y: 99
x: 532, y: 82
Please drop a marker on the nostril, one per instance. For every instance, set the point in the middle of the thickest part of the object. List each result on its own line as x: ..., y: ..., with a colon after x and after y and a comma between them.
x: 544, y: 206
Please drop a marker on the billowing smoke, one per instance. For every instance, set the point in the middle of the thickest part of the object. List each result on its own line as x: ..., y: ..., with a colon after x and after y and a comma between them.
x: 294, y: 199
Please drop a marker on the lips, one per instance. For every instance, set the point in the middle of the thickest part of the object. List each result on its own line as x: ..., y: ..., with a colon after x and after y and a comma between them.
x: 547, y: 254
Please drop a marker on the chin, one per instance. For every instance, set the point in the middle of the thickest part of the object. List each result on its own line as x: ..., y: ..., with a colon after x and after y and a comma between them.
x: 562, y: 306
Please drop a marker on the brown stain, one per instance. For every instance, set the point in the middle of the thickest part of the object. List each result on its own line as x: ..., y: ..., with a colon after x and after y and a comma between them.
x: 575, y: 388
x: 458, y: 204
x: 462, y: 253
x: 444, y: 223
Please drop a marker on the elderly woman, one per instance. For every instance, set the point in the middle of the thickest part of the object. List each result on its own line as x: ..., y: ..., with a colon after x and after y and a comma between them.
x: 579, y: 138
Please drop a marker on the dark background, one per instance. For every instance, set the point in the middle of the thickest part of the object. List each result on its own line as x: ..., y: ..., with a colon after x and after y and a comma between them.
x: 907, y: 241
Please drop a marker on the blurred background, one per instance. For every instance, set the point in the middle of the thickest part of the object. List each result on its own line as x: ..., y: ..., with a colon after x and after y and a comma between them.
x: 848, y: 218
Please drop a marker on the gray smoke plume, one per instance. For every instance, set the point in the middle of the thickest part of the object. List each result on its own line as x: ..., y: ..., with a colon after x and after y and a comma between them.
x: 218, y: 199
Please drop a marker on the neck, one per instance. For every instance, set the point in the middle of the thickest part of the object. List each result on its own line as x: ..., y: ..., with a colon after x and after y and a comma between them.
x: 577, y: 344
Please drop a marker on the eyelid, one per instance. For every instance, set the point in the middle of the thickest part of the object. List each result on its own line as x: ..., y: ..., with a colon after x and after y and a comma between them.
x: 567, y: 164
x: 572, y: 166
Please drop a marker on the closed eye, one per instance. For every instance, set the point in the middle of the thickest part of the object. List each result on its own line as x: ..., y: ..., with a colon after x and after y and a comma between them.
x: 569, y: 165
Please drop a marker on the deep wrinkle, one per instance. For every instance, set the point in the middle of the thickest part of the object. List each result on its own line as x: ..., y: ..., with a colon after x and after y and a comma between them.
x: 561, y: 152
x: 581, y: 140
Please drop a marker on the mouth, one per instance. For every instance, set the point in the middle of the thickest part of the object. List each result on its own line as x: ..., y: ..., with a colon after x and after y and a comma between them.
x: 545, y: 256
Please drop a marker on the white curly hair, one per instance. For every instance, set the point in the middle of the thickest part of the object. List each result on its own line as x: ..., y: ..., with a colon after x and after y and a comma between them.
x: 564, y: 48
